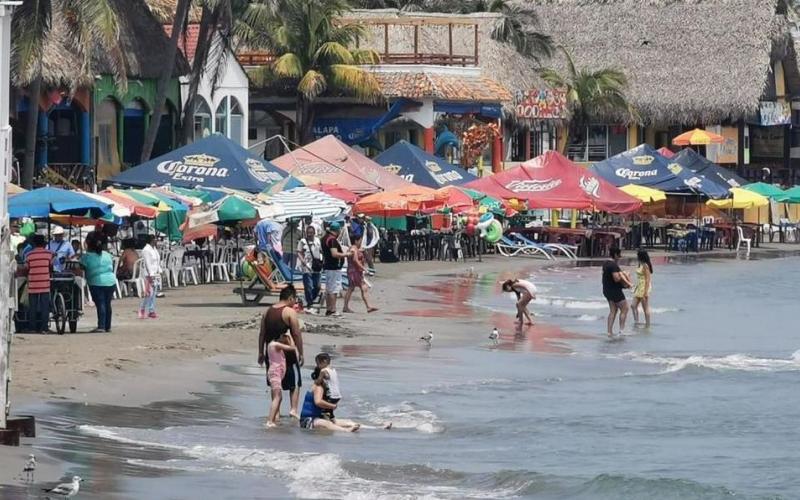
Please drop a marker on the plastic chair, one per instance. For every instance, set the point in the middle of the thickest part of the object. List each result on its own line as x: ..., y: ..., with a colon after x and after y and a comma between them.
x: 741, y: 239
x: 218, y: 266
x: 136, y: 280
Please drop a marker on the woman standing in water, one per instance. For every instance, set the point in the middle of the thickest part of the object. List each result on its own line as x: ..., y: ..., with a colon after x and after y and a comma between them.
x: 525, y: 292
x: 644, y: 284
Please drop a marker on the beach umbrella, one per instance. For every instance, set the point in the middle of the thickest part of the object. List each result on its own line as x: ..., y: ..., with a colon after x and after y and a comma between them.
x: 136, y: 208
x: 491, y: 203
x: 336, y: 191
x: 306, y: 202
x: 51, y: 200
x: 399, y: 202
x: 231, y: 210
x: 454, y: 197
x: 697, y: 137
x: 118, y: 210
x: 666, y: 153
x: 765, y: 189
x: 791, y: 195
x: 740, y: 199
x: 644, y: 193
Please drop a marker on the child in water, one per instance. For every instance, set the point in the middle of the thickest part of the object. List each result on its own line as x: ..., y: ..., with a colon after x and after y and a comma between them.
x: 525, y: 292
x: 276, y: 349
x: 327, y: 375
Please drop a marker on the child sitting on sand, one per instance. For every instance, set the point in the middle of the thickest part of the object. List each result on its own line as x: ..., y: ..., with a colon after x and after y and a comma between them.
x: 325, y: 373
x: 276, y: 349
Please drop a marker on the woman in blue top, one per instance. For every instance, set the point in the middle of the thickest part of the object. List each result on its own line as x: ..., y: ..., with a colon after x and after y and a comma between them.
x: 311, y: 415
x: 98, y: 267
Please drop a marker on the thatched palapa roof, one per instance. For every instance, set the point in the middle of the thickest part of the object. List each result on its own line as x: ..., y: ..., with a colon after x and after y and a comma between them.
x: 687, y: 61
x: 143, y: 43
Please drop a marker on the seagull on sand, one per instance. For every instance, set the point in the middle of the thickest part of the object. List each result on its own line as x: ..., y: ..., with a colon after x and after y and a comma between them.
x: 30, y: 467
x: 67, y: 490
x: 427, y: 338
x: 494, y: 336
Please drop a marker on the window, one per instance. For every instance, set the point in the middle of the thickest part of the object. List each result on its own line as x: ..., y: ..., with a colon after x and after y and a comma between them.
x: 597, y: 142
x: 236, y: 120
x: 766, y: 142
x: 221, y: 118
x: 107, y: 146
x: 202, y: 118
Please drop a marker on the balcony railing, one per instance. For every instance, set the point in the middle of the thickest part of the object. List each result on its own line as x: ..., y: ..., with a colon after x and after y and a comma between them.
x: 433, y: 59
x: 250, y: 59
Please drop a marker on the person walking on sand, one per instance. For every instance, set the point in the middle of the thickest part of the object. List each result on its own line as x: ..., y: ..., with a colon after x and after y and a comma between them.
x: 332, y: 263
x: 355, y: 275
x: 151, y: 273
x: 276, y: 354
x: 277, y: 320
x: 644, y: 284
x: 614, y: 281
x: 309, y: 262
x: 525, y: 292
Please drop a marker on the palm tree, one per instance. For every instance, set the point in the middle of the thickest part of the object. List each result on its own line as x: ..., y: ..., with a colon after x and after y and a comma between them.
x: 178, y: 23
x: 90, y: 24
x: 590, y: 94
x: 313, y: 53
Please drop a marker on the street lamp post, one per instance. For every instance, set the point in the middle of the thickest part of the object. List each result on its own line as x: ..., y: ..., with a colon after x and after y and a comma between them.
x: 6, y: 281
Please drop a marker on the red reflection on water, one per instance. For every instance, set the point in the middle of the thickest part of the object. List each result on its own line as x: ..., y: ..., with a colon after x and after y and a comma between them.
x: 539, y: 337
x: 449, y: 296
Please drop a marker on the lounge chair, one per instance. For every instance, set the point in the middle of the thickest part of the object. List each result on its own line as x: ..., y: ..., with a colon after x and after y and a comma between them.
x: 511, y: 248
x: 267, y: 281
x: 569, y: 251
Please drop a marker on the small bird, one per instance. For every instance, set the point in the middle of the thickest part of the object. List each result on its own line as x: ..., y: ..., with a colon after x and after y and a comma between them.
x: 494, y: 336
x: 427, y: 338
x: 67, y: 490
x: 30, y: 467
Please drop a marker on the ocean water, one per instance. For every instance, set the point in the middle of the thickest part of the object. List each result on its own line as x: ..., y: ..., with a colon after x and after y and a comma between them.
x: 704, y: 404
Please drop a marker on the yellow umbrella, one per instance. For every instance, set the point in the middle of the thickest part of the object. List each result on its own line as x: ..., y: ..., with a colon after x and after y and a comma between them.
x: 644, y: 193
x: 697, y: 137
x: 742, y: 198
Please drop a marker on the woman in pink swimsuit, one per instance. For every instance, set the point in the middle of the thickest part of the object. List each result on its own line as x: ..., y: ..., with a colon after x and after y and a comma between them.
x: 276, y: 349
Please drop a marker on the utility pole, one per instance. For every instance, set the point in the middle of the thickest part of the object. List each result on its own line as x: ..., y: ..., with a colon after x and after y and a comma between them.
x: 6, y: 281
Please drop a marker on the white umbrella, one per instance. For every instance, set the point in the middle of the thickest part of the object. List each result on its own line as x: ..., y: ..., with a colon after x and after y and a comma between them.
x: 303, y: 202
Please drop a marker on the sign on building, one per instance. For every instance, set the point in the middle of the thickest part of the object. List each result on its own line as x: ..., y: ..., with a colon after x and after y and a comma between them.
x: 541, y: 104
x: 728, y: 151
x: 775, y: 113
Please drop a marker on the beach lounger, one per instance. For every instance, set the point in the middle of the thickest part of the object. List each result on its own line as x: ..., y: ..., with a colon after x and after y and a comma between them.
x: 569, y: 251
x: 265, y: 282
x: 511, y: 248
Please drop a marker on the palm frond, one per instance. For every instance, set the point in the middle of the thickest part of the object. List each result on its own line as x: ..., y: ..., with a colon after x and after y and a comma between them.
x: 355, y: 81
x: 262, y: 76
x: 288, y: 66
x: 312, y: 85
x: 93, y: 23
x: 31, y: 27
x: 332, y: 53
x: 366, y: 56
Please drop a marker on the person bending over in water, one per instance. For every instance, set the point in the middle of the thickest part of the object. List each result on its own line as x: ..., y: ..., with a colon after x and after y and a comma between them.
x: 614, y: 281
x: 525, y: 292
x: 276, y: 349
x: 644, y: 284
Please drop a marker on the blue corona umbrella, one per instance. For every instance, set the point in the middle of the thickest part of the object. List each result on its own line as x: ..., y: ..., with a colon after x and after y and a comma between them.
x: 644, y: 166
x: 699, y: 164
x: 422, y: 168
x: 42, y: 202
x: 214, y: 162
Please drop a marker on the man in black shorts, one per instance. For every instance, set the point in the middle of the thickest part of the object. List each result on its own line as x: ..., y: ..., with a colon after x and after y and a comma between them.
x: 614, y: 281
x: 279, y: 319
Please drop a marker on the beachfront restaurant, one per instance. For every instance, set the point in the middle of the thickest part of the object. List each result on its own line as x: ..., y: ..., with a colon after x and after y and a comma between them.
x: 89, y: 129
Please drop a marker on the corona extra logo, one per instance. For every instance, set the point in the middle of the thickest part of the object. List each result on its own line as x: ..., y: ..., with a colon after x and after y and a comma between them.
x: 432, y: 166
x: 675, y: 168
x: 643, y: 160
x: 193, y: 168
x: 632, y: 175
x: 532, y: 186
x: 392, y: 168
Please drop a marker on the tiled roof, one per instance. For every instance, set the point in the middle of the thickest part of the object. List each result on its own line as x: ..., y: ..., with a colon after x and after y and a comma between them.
x: 187, y: 41
x: 417, y: 85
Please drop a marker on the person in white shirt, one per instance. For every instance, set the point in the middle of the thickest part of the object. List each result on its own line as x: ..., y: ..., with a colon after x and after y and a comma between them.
x: 61, y: 248
x: 151, y: 273
x: 309, y: 262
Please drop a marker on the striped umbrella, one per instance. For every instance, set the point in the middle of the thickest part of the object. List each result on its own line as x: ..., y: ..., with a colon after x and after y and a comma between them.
x: 303, y: 201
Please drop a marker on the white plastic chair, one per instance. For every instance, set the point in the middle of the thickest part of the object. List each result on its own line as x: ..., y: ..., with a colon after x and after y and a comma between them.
x: 218, y: 266
x: 183, y: 271
x: 741, y: 239
x: 136, y: 280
